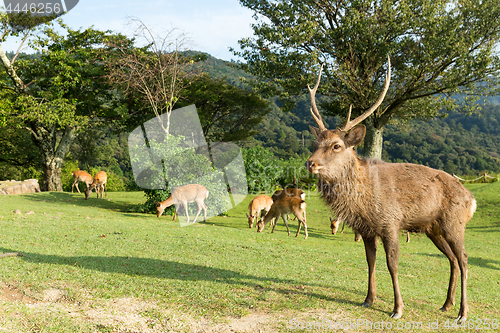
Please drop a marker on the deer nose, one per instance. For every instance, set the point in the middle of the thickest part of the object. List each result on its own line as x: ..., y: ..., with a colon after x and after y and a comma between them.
x: 309, y: 165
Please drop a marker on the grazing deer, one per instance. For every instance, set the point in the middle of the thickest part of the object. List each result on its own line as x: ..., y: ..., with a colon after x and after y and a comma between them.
x: 80, y: 176
x: 334, y: 225
x: 378, y: 199
x: 182, y: 195
x: 99, y: 184
x: 282, y: 207
x: 261, y: 203
x: 289, y: 192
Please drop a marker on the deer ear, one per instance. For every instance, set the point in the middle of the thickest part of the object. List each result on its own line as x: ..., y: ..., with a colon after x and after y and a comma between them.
x: 315, y: 131
x: 355, y: 136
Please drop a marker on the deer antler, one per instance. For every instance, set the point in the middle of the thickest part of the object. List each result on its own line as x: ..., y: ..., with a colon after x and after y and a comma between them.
x: 314, y: 109
x: 350, y: 124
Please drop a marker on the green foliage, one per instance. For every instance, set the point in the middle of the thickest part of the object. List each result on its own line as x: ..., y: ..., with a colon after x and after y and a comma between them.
x: 175, y: 165
x: 227, y: 113
x: 262, y: 168
x: 460, y: 144
x: 437, y: 49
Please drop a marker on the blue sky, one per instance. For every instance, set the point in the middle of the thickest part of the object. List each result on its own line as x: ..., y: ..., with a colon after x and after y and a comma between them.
x: 212, y: 26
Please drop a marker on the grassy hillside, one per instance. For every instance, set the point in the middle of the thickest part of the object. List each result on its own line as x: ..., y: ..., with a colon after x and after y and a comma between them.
x: 92, y: 266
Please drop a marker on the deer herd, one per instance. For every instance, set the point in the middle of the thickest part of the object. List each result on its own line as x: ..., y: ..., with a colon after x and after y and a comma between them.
x: 376, y: 199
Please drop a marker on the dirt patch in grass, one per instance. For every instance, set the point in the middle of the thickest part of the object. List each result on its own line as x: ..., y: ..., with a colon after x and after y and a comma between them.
x: 133, y: 315
x: 10, y: 294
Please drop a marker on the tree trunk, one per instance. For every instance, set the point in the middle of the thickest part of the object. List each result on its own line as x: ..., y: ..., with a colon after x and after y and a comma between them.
x: 374, y: 139
x: 53, y: 144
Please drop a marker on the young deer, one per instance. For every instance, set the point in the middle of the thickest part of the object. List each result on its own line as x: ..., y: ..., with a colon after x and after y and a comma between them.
x: 182, y: 195
x: 289, y: 192
x: 99, y: 184
x: 282, y: 207
x: 261, y: 203
x: 80, y: 176
x: 378, y: 199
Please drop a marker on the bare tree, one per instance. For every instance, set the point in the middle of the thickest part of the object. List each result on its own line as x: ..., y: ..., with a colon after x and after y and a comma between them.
x: 156, y: 71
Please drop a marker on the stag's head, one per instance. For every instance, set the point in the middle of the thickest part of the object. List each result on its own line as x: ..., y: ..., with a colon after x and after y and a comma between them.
x: 334, y: 149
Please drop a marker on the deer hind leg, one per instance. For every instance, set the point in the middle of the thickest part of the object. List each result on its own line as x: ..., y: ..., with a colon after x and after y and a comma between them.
x: 437, y: 238
x: 457, y: 246
x: 200, y: 207
x: 302, y: 221
x: 204, y: 206
x: 185, y: 204
x: 371, y: 256
x: 391, y: 246
x: 286, y: 224
x: 75, y: 184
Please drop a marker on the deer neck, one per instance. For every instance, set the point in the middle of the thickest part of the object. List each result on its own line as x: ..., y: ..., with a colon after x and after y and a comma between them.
x: 349, y: 193
x: 169, y: 202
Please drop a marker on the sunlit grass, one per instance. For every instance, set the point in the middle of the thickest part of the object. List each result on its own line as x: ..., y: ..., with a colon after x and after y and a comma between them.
x: 97, y: 251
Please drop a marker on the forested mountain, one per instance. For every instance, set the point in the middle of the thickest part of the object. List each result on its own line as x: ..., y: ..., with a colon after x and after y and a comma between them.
x: 457, y: 143
x: 461, y: 144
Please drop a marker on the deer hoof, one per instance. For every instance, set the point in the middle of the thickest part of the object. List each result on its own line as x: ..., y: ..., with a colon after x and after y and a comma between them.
x: 461, y: 319
x: 366, y: 305
x: 395, y: 315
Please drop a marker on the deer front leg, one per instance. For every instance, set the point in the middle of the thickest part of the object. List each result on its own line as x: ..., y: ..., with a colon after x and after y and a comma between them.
x: 371, y: 256
x: 175, y: 211
x: 391, y: 246
x: 199, y: 210
x: 186, y: 209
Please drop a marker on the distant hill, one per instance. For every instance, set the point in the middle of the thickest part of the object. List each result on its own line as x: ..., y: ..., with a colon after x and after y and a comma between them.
x: 457, y: 143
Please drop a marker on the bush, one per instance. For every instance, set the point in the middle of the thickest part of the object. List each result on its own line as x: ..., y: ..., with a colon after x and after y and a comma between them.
x: 174, y: 165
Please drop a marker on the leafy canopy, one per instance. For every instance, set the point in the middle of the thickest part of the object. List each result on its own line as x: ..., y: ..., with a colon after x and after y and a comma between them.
x: 437, y: 48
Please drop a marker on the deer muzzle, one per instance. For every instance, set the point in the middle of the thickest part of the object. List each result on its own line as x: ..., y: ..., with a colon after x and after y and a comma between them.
x: 311, y: 166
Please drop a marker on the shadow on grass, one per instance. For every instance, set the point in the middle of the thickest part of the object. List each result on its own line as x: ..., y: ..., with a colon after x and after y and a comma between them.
x: 166, y: 269
x: 280, y: 229
x: 475, y: 261
x: 66, y: 198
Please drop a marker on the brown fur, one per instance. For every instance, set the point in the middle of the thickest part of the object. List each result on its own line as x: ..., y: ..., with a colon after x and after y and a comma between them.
x: 99, y: 184
x: 181, y: 196
x: 261, y: 203
x: 288, y: 192
x: 379, y: 199
x: 282, y: 207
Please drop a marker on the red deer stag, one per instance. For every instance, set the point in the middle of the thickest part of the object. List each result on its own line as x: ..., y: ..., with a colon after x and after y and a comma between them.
x: 378, y: 199
x: 282, y: 207
x: 261, y: 203
x: 182, y: 195
x: 99, y: 184
x: 80, y: 176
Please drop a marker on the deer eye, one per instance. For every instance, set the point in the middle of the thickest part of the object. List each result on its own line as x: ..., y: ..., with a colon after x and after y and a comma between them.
x: 336, y: 147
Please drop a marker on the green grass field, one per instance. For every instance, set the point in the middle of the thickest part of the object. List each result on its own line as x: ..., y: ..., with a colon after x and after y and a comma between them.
x: 93, y: 266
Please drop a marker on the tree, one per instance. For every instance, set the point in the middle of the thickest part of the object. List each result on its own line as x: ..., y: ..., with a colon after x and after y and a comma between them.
x: 438, y: 49
x: 227, y: 113
x: 56, y: 93
x: 154, y: 74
